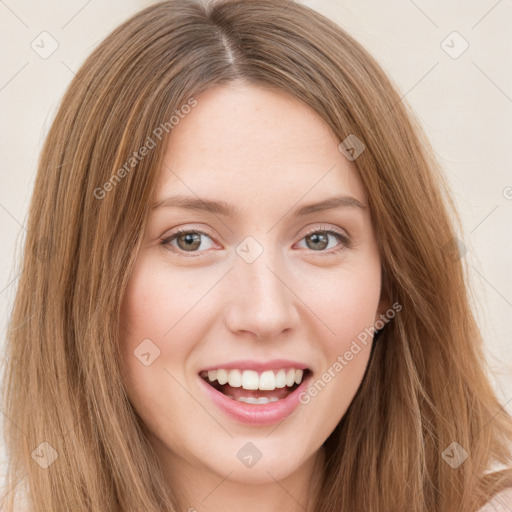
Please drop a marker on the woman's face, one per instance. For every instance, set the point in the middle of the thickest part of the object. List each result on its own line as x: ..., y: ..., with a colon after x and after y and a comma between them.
x: 260, y: 288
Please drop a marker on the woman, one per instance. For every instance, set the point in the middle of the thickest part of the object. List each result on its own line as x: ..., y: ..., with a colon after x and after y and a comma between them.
x: 239, y: 288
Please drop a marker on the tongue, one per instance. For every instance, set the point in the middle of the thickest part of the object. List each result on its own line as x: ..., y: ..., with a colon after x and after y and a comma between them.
x: 256, y: 393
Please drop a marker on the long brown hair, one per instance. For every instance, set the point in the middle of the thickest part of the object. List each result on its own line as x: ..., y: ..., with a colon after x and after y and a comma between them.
x: 73, y: 440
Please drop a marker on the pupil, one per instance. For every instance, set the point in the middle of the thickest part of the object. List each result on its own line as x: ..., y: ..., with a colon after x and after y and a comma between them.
x: 189, y: 237
x: 316, y: 236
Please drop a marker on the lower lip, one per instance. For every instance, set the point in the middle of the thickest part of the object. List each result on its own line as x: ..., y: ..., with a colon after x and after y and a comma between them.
x: 256, y: 414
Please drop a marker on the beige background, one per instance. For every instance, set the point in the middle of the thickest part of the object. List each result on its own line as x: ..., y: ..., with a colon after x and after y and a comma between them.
x: 463, y: 101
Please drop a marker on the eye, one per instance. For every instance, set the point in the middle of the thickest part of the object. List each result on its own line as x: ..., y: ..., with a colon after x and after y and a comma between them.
x: 318, y: 238
x: 188, y: 240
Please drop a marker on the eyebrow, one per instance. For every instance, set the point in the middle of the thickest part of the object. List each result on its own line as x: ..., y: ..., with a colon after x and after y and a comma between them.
x: 229, y: 210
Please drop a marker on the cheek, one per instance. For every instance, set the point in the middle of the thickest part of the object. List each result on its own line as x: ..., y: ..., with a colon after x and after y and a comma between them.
x: 160, y: 315
x: 154, y: 302
x: 349, y: 311
x: 149, y: 311
x: 151, y: 345
x: 345, y: 302
x: 345, y: 305
x: 356, y: 307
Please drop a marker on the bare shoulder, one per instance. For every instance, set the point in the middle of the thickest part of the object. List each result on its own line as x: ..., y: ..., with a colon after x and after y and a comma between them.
x: 501, y: 502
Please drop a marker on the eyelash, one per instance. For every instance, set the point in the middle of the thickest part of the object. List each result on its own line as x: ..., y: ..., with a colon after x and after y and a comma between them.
x: 346, y: 243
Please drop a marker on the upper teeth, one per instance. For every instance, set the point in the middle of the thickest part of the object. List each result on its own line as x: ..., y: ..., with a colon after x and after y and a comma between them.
x: 250, y: 379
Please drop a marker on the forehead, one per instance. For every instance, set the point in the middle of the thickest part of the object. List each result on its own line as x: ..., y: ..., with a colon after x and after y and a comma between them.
x: 246, y: 141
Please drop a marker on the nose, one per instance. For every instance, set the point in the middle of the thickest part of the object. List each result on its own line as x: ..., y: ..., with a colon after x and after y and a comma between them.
x: 261, y: 300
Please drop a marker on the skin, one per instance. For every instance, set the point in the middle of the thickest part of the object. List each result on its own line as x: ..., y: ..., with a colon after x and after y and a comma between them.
x: 266, y: 153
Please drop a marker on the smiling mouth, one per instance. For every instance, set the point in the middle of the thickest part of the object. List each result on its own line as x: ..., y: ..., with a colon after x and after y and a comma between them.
x: 254, y: 387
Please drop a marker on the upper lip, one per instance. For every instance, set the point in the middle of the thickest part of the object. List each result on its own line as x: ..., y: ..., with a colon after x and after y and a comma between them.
x: 259, y: 366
